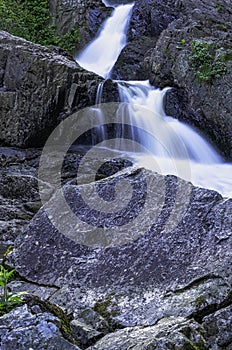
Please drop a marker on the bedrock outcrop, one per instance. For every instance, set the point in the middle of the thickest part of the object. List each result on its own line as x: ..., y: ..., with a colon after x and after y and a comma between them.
x: 38, y: 87
x: 174, y: 261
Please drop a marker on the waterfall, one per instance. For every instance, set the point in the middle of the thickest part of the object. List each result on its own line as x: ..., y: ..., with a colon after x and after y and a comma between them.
x: 170, y: 138
x: 102, y: 53
x: 170, y: 144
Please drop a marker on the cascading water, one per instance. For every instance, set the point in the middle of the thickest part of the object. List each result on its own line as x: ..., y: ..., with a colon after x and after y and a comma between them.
x: 167, y: 132
x: 102, y: 53
x: 169, y: 141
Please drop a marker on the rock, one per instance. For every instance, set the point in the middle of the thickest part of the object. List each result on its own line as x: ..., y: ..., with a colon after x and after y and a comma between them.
x: 92, y: 318
x: 218, y: 327
x: 148, y: 20
x: 83, y: 333
x: 23, y: 330
x: 170, y: 333
x: 160, y: 47
x: 87, y: 15
x: 174, y: 260
x: 108, y: 92
x: 19, y: 193
x: 37, y: 89
x: 206, y: 94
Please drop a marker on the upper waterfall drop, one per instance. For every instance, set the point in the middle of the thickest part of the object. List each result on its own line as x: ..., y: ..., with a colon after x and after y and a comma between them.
x: 102, y: 53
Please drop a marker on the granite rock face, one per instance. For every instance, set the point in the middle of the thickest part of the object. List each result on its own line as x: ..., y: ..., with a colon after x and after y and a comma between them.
x: 174, y: 62
x: 127, y: 258
x: 37, y: 89
x: 19, y: 195
x: 175, y: 261
x: 148, y: 20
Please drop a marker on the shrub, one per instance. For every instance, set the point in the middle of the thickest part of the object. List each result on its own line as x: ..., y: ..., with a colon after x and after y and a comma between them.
x: 205, y: 61
x: 30, y: 19
x: 8, y: 300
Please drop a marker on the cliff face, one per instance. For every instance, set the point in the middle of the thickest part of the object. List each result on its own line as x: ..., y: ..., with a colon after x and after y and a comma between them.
x: 87, y: 15
x: 37, y: 88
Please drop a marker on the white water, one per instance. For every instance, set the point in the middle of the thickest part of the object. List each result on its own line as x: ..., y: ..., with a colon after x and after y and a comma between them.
x: 172, y: 147
x: 170, y: 138
x: 102, y: 53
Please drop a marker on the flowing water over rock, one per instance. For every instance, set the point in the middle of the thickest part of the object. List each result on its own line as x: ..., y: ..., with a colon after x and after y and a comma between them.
x: 169, y: 144
x: 101, y: 55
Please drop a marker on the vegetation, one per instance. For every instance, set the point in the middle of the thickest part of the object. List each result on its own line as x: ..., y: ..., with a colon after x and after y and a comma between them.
x: 181, y: 44
x: 107, y: 308
x: 206, y: 61
x: 30, y: 19
x: 8, y: 300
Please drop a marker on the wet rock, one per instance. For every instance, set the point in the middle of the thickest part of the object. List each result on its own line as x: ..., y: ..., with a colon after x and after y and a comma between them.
x: 169, y: 262
x: 173, y: 62
x: 160, y: 49
x: 37, y: 89
x: 86, y: 15
x: 108, y: 92
x: 148, y: 20
x: 23, y: 330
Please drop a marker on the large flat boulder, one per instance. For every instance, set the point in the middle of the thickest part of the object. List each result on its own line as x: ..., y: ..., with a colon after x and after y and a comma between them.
x: 160, y: 248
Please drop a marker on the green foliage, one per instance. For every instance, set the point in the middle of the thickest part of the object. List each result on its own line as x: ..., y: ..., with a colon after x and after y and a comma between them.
x: 181, y: 44
x: 107, y: 308
x: 30, y: 19
x: 219, y: 7
x: 8, y: 300
x: 206, y: 62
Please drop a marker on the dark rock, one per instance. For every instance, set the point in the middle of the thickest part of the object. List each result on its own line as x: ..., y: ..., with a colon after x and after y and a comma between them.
x: 84, y: 334
x: 159, y: 49
x: 218, y: 327
x: 19, y: 193
x: 107, y: 92
x: 87, y: 15
x: 164, y: 254
x: 39, y: 88
x: 170, y: 64
x: 148, y: 20
x: 95, y: 320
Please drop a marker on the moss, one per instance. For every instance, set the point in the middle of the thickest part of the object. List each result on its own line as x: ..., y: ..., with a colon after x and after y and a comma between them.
x: 200, y: 301
x: 219, y: 7
x: 107, y: 308
x: 8, y: 251
x: 64, y: 327
x: 206, y: 61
